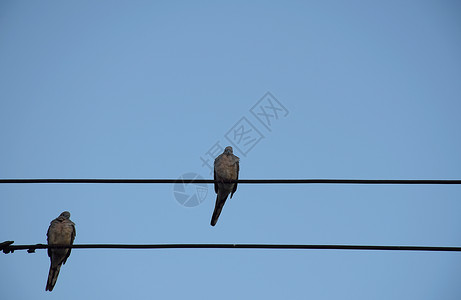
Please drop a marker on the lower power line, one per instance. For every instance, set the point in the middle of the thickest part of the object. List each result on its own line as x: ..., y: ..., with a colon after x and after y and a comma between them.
x: 243, y: 181
x: 7, y: 247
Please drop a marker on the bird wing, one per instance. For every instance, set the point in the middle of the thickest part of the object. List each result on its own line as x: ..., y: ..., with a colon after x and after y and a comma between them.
x: 237, y: 169
x: 215, y: 179
x: 72, y: 238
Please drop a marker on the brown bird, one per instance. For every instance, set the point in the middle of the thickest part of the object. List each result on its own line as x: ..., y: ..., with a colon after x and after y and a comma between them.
x: 60, y: 232
x: 226, y: 168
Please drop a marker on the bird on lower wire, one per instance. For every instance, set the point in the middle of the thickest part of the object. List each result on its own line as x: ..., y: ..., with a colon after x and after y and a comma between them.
x: 60, y: 232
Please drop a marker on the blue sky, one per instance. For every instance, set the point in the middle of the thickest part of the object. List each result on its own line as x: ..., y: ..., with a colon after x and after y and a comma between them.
x: 143, y: 89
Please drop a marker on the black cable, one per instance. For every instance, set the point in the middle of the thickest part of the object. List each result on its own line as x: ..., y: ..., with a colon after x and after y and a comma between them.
x: 252, y: 181
x: 7, y: 247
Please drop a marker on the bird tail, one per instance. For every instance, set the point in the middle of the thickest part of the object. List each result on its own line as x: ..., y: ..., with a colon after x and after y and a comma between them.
x: 217, y: 209
x: 52, y: 277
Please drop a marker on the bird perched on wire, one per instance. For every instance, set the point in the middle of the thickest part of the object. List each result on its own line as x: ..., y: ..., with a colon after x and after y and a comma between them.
x: 226, y: 168
x: 60, y: 232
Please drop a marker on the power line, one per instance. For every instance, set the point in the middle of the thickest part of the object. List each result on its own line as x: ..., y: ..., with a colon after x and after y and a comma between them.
x: 6, y: 247
x: 241, y: 181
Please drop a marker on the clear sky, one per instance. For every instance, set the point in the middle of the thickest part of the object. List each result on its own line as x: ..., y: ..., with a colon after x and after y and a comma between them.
x: 144, y: 89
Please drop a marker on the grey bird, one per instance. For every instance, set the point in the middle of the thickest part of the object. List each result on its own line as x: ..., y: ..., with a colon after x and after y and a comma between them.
x: 60, y: 232
x: 226, y: 168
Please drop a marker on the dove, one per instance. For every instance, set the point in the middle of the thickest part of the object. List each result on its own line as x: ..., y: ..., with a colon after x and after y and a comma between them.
x: 226, y: 168
x: 60, y: 232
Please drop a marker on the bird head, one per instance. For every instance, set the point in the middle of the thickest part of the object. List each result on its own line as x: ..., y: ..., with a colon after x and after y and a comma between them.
x: 64, y: 215
x: 228, y: 150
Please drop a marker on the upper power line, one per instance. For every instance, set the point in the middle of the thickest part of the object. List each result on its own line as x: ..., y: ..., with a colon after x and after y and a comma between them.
x: 251, y: 181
